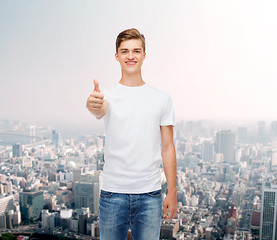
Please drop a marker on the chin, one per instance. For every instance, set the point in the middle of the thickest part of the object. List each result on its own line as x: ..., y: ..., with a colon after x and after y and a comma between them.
x: 131, y: 71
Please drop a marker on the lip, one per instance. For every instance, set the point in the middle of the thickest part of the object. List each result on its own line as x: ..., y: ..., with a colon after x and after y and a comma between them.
x: 131, y: 63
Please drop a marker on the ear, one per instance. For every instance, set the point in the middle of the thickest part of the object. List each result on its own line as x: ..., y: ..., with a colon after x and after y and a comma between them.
x: 144, y: 55
x: 116, y: 57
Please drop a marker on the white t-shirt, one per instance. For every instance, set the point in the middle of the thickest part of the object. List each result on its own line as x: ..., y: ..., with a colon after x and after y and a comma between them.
x: 132, y: 145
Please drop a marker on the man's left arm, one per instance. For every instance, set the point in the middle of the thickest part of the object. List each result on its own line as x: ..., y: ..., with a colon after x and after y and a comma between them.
x: 169, y: 165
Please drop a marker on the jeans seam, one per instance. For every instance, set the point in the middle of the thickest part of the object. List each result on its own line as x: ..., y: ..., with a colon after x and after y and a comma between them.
x: 154, y: 195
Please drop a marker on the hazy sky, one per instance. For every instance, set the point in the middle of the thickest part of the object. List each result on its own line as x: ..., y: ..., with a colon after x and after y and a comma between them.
x: 217, y: 59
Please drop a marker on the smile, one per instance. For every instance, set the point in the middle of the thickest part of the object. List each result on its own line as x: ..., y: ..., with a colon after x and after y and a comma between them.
x: 130, y: 63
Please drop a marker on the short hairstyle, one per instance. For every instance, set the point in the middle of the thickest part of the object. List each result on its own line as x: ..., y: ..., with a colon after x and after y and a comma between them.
x: 129, y: 34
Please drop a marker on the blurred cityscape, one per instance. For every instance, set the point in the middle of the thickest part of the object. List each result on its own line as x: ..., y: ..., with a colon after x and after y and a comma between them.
x: 226, y: 181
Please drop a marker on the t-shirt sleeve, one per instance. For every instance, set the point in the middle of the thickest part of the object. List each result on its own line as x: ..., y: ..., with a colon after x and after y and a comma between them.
x: 107, y: 94
x: 168, y: 115
x: 107, y: 97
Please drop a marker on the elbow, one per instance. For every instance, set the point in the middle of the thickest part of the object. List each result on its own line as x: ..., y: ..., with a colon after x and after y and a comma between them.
x: 166, y: 149
x: 163, y: 155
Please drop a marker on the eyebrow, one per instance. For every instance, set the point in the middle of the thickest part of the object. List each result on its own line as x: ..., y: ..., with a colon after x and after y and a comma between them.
x: 124, y: 49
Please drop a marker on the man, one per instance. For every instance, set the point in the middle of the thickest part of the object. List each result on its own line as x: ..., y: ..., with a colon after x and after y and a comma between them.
x: 137, y: 119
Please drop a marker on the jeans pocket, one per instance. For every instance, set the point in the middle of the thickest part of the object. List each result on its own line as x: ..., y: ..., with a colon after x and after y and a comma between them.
x: 105, y: 194
x: 156, y: 193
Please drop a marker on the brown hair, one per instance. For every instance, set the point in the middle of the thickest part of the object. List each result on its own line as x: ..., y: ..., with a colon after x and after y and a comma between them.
x: 129, y: 34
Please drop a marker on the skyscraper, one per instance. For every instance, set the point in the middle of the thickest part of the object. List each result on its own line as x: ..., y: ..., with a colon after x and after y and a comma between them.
x: 6, y: 203
x: 17, y: 150
x: 268, y: 214
x: 274, y: 129
x: 261, y: 132
x: 87, y: 195
x: 274, y: 157
x: 56, y: 138
x: 31, y: 204
x: 225, y: 144
x: 242, y: 134
x: 100, y: 160
x: 208, y: 151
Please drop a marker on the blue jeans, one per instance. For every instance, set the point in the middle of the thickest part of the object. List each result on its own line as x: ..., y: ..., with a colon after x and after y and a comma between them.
x: 141, y: 212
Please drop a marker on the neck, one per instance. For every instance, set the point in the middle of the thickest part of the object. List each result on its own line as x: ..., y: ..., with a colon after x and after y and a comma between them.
x: 131, y: 80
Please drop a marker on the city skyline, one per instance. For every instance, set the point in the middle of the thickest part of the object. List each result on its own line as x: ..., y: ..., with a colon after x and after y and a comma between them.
x: 51, y: 185
x: 216, y: 59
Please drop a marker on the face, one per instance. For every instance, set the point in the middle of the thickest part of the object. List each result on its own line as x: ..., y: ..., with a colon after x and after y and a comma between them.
x: 130, y: 56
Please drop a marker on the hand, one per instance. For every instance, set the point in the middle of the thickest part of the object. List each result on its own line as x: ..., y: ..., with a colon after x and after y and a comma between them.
x: 170, y: 206
x: 95, y: 101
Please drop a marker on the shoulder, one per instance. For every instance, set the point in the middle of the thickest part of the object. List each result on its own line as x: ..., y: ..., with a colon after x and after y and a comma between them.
x: 158, y: 93
x: 110, y: 91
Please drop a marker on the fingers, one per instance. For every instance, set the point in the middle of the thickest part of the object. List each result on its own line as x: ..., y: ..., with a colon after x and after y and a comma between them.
x: 96, y: 86
x: 94, y: 99
x: 169, y: 212
x: 95, y: 109
x: 94, y: 103
x: 97, y: 95
x: 165, y: 210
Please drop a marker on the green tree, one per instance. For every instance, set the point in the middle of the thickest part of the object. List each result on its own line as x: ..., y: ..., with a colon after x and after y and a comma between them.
x: 8, y: 236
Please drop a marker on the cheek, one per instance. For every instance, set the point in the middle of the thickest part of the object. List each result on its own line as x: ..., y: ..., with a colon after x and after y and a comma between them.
x: 120, y: 60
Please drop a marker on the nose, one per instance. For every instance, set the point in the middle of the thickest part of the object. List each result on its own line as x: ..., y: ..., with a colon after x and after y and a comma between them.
x: 130, y: 55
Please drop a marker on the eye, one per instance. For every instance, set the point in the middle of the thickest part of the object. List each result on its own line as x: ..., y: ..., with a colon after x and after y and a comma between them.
x: 137, y: 51
x: 124, y: 52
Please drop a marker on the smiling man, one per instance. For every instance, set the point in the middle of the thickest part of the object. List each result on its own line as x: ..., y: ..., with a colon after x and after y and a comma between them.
x: 139, y: 122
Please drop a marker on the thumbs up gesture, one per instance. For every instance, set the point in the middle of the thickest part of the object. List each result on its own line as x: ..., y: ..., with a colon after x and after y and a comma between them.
x: 96, y: 103
x: 96, y: 85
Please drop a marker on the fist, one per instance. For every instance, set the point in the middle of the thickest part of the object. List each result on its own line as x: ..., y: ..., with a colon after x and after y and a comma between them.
x: 96, y: 99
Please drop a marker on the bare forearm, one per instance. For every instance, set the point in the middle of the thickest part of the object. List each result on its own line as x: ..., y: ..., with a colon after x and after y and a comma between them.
x: 169, y: 164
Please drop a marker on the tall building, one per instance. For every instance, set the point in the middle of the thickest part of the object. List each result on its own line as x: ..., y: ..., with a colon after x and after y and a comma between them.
x: 268, y: 212
x: 261, y: 132
x: 56, y: 138
x: 31, y: 204
x: 17, y: 150
x: 87, y: 195
x: 100, y: 160
x: 242, y: 134
x: 225, y: 144
x: 274, y: 157
x: 274, y: 129
x: 208, y: 151
x: 5, y: 187
x: 256, y: 217
x: 48, y: 219
x: 6, y: 203
x: 77, y: 172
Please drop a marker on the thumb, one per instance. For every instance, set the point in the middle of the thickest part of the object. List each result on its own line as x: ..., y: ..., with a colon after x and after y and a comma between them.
x: 96, y: 85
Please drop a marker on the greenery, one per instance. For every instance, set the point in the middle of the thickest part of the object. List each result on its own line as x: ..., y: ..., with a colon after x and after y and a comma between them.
x: 8, y: 236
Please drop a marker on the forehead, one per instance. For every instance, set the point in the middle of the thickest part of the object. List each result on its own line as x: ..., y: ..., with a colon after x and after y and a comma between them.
x: 131, y: 44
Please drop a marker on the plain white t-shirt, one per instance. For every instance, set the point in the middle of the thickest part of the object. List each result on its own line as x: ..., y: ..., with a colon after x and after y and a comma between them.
x: 133, y: 138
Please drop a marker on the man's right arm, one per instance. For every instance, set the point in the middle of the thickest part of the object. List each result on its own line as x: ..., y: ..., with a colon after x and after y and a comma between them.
x: 96, y: 103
